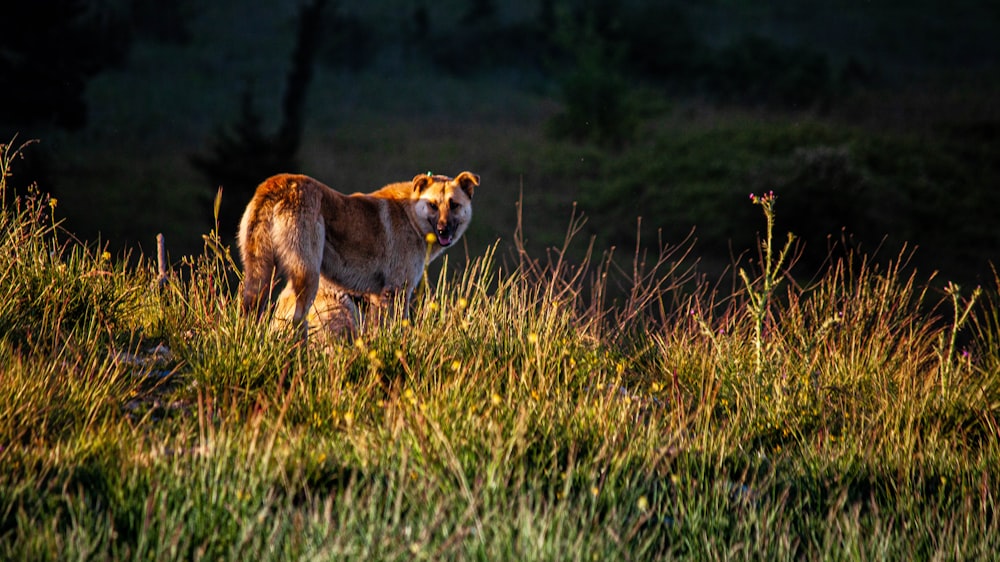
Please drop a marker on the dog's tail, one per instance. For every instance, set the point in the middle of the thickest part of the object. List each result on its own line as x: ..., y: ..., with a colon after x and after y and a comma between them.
x: 258, y: 257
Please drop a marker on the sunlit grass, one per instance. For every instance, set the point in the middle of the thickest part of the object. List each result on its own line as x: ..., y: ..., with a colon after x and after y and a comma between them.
x: 526, y: 409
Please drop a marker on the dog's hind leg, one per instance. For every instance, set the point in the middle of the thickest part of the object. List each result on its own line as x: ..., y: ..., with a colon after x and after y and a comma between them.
x: 256, y: 288
x: 258, y: 257
x: 302, y: 266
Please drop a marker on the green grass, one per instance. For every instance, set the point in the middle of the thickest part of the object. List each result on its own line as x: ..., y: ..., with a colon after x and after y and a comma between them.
x: 520, y: 413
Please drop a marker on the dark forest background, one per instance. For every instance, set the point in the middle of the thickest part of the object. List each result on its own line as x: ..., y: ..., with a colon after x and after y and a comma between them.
x: 876, y: 123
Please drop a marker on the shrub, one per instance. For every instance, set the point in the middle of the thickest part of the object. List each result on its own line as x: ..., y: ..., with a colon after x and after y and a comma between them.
x: 594, y: 91
x: 760, y: 71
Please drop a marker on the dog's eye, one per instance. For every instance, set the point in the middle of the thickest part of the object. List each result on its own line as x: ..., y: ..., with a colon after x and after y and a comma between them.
x: 452, y: 204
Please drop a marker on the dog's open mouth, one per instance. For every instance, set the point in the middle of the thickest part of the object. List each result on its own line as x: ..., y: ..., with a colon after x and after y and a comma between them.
x: 443, y: 235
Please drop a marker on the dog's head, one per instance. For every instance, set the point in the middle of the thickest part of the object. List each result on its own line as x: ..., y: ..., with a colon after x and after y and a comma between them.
x: 444, y: 205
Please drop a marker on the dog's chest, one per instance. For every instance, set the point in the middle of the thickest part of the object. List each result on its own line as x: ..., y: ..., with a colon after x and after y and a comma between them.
x: 373, y: 272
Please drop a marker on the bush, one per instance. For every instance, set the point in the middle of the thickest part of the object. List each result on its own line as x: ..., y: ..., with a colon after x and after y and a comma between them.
x: 347, y: 41
x: 839, y: 189
x: 660, y: 43
x: 757, y: 70
x: 594, y: 91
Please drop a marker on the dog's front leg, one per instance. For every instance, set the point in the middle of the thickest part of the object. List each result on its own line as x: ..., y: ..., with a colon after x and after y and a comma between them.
x: 399, y: 303
x: 386, y: 306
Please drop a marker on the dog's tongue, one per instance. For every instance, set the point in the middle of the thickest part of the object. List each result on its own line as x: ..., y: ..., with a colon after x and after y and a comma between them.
x: 444, y: 240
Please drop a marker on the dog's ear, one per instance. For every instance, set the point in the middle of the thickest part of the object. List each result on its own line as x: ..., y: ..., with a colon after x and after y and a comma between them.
x: 468, y: 182
x: 422, y: 182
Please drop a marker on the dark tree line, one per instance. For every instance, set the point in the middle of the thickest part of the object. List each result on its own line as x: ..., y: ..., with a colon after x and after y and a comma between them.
x: 50, y: 50
x: 243, y: 156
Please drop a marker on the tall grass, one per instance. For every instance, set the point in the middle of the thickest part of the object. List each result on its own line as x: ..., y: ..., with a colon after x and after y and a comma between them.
x: 526, y: 409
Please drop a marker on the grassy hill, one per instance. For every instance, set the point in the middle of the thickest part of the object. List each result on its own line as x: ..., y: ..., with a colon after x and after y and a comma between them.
x: 518, y: 413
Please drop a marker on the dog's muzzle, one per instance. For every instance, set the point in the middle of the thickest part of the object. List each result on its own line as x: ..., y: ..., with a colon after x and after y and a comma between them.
x: 444, y: 237
x: 444, y: 234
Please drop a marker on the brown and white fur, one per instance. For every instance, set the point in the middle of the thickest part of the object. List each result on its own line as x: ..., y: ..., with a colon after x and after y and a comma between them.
x: 373, y: 244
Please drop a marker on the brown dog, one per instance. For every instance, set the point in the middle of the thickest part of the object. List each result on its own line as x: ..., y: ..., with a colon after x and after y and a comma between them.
x: 374, y: 244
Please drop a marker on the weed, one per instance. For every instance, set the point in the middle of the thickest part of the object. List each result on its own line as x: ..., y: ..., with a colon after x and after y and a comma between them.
x: 773, y: 267
x: 961, y: 315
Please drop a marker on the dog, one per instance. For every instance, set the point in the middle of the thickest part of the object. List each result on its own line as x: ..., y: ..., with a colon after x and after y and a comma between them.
x: 374, y: 245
